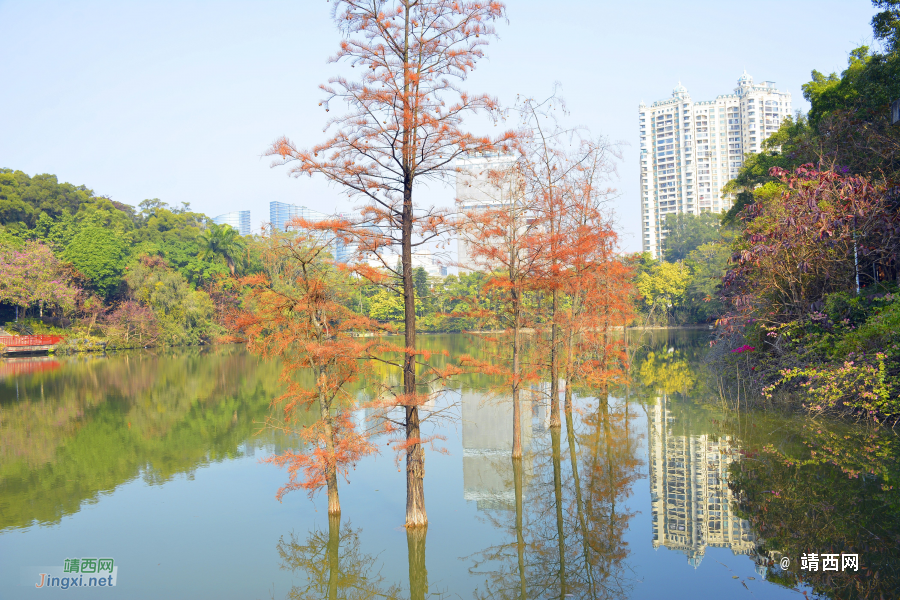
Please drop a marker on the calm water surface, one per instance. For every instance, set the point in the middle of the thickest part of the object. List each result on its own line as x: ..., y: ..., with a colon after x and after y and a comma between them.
x: 153, y: 459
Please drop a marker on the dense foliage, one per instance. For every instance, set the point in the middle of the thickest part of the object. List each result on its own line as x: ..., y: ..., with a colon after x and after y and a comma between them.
x: 827, y: 488
x: 811, y: 290
x: 683, y: 287
x: 133, y: 276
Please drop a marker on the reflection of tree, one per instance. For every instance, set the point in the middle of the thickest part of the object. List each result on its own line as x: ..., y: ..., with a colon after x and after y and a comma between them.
x: 336, y: 568
x: 610, y: 466
x: 334, y: 565
x: 569, y: 519
x: 835, y: 492
x: 92, y: 425
x: 418, y: 575
x: 665, y: 373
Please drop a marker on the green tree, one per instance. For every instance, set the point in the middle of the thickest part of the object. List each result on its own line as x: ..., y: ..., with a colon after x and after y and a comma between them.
x: 224, y: 241
x: 386, y: 306
x: 185, y: 316
x: 707, y: 264
x: 663, y: 287
x: 420, y: 277
x: 13, y: 209
x: 886, y: 24
x: 99, y: 256
x: 686, y: 232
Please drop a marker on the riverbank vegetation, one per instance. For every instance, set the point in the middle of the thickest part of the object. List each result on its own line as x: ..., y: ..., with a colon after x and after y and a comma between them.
x: 682, y: 288
x: 810, y: 295
x: 106, y: 273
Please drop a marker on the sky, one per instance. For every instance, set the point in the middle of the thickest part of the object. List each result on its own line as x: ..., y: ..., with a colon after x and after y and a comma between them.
x: 179, y: 100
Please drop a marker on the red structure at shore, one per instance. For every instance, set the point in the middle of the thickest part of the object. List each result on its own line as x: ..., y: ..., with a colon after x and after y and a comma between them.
x: 26, y: 344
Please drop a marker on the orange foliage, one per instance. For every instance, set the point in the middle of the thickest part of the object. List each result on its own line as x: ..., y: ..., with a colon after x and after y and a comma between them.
x: 297, y: 316
x: 402, y: 126
x: 545, y: 233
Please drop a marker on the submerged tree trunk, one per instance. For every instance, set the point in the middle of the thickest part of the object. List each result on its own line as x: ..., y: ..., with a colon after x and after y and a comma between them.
x: 517, y: 408
x: 334, y: 503
x: 418, y: 575
x: 520, y: 534
x: 557, y: 490
x: 570, y: 354
x: 334, y: 563
x: 579, y: 502
x: 554, y: 363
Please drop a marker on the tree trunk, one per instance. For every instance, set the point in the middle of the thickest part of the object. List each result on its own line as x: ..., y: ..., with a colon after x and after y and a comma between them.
x: 554, y: 363
x: 570, y: 372
x: 418, y: 574
x: 334, y: 563
x: 520, y: 534
x: 557, y: 490
x: 517, y: 408
x: 334, y: 503
x: 415, y: 453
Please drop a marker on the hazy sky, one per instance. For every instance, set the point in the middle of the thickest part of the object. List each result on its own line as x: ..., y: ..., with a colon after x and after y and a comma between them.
x: 178, y: 100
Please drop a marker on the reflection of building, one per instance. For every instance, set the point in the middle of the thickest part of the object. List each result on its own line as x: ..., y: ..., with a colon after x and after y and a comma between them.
x: 239, y: 219
x: 690, y: 498
x: 487, y: 432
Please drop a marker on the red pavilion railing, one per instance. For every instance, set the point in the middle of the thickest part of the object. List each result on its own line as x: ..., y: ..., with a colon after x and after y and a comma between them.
x: 11, y: 341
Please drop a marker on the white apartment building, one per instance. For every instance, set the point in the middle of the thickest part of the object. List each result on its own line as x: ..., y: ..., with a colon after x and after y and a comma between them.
x: 690, y: 150
x: 475, y: 192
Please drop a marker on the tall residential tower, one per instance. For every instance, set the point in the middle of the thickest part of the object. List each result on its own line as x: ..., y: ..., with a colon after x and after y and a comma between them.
x: 690, y: 150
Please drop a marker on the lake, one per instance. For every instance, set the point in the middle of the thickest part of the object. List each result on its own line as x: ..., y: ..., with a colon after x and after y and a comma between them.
x: 152, y: 459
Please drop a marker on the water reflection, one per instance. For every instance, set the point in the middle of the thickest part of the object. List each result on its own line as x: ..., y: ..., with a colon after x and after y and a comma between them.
x: 827, y: 487
x: 18, y: 366
x: 333, y: 565
x: 562, y: 521
x: 69, y: 434
x: 692, y: 504
x: 568, y: 514
x: 487, y: 432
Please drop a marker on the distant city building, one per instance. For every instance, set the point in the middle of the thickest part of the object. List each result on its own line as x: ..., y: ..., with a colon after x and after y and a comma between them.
x: 420, y: 258
x: 475, y: 192
x: 281, y: 213
x: 691, y: 503
x: 239, y: 219
x: 690, y: 150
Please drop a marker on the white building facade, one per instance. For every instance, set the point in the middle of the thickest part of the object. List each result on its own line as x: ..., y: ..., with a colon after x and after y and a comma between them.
x: 690, y: 150
x: 475, y: 191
